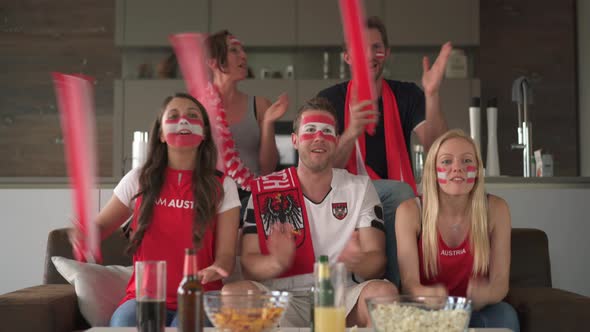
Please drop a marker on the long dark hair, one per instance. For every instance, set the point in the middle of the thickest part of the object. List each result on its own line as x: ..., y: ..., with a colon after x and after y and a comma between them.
x: 206, y: 195
x: 217, y: 47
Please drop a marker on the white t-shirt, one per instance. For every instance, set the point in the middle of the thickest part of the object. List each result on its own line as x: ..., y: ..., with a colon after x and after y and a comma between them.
x: 129, y: 186
x: 352, y: 203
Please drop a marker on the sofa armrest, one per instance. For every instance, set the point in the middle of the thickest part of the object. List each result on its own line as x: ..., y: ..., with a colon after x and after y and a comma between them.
x: 549, y: 309
x: 40, y: 308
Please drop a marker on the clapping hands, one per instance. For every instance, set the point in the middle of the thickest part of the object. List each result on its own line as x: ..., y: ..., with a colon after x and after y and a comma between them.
x: 281, y: 244
x: 277, y: 109
x: 433, y: 76
x: 352, y: 254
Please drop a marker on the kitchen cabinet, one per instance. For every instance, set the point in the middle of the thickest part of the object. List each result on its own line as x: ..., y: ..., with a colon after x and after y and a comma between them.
x: 149, y: 22
x: 319, y: 22
x: 271, y: 89
x: 137, y: 102
x: 455, y: 99
x: 307, y: 89
x: 428, y: 22
x: 256, y: 22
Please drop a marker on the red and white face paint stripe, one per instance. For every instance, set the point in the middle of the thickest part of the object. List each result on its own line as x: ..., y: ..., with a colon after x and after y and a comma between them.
x: 183, y: 132
x: 471, y: 174
x: 442, y: 174
x: 234, y: 41
x: 380, y: 55
x: 314, y: 126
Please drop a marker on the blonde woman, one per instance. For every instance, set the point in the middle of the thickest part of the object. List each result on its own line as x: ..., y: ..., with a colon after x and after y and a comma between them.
x: 456, y: 239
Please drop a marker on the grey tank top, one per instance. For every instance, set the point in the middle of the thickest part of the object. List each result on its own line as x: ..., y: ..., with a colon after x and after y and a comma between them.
x: 246, y: 135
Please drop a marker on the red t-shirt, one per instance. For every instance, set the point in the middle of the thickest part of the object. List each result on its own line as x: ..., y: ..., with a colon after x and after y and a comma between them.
x: 455, y: 266
x: 170, y: 233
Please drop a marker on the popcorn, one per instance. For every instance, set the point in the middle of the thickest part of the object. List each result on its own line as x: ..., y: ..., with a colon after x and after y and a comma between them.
x: 401, y: 318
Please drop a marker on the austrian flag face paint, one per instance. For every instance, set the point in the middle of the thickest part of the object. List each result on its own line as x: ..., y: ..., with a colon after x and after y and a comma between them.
x: 380, y: 55
x: 183, y: 132
x: 471, y: 174
x: 234, y: 41
x: 315, y: 126
x: 442, y: 174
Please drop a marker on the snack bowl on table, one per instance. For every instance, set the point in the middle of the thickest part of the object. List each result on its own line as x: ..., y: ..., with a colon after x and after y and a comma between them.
x: 402, y: 313
x: 241, y: 312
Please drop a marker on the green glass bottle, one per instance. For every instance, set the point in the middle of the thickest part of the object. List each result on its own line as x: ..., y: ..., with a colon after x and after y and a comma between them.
x: 325, y: 291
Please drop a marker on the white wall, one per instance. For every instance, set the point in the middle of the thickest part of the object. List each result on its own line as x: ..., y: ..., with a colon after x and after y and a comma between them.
x: 584, y: 84
x: 563, y: 214
x: 27, y: 217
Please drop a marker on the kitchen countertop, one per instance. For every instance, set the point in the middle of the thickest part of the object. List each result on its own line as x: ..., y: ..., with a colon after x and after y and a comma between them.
x: 498, y: 181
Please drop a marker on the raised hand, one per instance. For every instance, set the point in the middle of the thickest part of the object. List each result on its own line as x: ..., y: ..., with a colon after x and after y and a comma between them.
x: 212, y: 273
x: 281, y: 244
x: 277, y: 109
x: 352, y: 253
x: 433, y: 76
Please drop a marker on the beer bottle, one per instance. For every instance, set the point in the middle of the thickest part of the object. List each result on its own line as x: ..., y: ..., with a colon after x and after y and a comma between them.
x: 191, y: 316
x: 325, y: 291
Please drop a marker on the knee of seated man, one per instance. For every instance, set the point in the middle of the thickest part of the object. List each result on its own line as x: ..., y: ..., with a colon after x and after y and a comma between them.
x: 243, y: 286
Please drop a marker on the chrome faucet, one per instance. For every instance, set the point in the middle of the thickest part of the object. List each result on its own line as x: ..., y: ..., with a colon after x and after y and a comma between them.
x: 522, y: 95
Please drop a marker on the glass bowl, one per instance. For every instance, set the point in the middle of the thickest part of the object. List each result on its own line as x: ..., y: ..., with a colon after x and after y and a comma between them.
x: 419, y: 313
x: 252, y: 312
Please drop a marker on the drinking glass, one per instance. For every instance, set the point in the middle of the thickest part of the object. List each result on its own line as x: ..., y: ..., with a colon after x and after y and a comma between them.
x: 150, y: 283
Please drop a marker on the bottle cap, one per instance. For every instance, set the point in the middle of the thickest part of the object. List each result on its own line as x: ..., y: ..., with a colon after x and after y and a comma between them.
x: 323, y: 259
x: 493, y: 102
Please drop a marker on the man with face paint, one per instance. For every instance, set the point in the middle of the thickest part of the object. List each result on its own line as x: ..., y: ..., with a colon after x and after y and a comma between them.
x: 298, y: 214
x: 403, y: 108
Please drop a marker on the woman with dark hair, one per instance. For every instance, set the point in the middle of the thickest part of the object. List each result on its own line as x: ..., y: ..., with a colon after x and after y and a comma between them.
x: 456, y: 240
x: 250, y: 118
x: 178, y: 200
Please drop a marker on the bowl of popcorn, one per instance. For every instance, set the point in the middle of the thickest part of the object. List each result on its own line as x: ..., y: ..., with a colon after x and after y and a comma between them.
x: 419, y: 313
x: 241, y: 312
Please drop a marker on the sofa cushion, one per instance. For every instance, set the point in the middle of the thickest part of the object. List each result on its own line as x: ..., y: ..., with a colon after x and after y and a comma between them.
x: 40, y: 308
x: 529, y: 266
x: 58, y: 244
x: 543, y: 309
x: 99, y: 288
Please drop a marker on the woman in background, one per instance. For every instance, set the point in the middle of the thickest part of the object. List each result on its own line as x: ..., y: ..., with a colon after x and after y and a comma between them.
x: 456, y: 240
x: 251, y: 118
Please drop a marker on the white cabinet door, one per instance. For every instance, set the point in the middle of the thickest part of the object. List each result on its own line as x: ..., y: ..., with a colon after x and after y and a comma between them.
x: 319, y: 22
x: 256, y: 22
x: 432, y: 22
x: 149, y: 22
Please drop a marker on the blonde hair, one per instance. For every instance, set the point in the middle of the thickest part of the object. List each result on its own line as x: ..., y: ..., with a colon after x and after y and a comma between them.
x: 478, y: 235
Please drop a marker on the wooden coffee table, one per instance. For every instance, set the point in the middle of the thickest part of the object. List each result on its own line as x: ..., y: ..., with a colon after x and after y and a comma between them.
x: 286, y: 329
